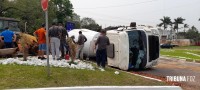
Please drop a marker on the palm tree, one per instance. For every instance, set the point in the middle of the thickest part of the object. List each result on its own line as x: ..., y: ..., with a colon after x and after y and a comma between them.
x: 178, y: 21
x: 165, y: 22
x: 185, y: 26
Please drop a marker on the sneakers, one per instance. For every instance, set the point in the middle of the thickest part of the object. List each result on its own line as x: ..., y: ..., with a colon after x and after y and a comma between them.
x: 59, y: 58
x: 39, y: 57
x: 42, y: 58
x: 101, y: 69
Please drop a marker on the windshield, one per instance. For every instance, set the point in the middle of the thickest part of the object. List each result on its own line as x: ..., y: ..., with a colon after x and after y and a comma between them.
x: 13, y: 25
x: 137, y: 48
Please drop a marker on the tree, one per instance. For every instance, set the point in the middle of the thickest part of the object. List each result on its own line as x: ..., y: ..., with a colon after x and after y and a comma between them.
x: 178, y: 21
x: 90, y: 23
x: 87, y: 21
x: 199, y: 19
x: 193, y: 33
x: 30, y: 12
x: 63, y: 9
x: 76, y: 20
x: 185, y: 26
x: 5, y: 6
x: 165, y: 22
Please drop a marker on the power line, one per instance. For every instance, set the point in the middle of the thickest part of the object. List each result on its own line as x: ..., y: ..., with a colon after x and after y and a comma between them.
x: 124, y: 5
x: 116, y: 18
x: 160, y: 10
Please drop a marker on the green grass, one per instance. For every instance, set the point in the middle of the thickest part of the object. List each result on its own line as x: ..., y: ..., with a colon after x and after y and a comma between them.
x: 188, y: 47
x: 16, y: 76
x: 183, y: 53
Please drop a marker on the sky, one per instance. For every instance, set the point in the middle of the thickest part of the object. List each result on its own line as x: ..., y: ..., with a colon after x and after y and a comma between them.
x: 147, y: 12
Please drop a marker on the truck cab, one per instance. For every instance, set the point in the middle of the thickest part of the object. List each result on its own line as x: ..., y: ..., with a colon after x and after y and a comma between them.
x: 133, y: 48
x: 13, y: 25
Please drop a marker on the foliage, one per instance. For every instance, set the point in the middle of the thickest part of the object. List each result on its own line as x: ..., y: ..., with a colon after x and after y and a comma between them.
x: 16, y: 76
x: 193, y: 33
x: 178, y: 21
x: 5, y: 6
x: 165, y: 22
x: 30, y: 12
x: 63, y: 9
x: 185, y: 26
x: 90, y: 23
x: 76, y: 20
x: 87, y: 21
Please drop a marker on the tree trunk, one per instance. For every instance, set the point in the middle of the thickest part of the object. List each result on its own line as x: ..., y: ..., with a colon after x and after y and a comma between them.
x: 177, y: 32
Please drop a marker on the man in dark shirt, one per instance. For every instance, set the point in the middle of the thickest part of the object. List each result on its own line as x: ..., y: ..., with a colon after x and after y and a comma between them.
x: 81, y: 40
x: 102, y: 42
x: 63, y: 43
x: 54, y: 35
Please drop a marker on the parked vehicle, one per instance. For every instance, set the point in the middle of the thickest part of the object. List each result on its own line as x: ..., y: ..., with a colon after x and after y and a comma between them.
x: 11, y: 23
x: 167, y: 45
x: 13, y: 26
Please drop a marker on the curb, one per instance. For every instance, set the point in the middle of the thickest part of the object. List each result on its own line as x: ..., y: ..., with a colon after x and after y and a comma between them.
x: 108, y: 88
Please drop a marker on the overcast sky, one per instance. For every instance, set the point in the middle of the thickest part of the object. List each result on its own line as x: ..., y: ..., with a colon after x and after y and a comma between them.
x: 122, y: 12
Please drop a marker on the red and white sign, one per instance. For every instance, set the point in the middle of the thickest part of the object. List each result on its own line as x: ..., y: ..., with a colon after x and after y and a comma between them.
x: 44, y: 4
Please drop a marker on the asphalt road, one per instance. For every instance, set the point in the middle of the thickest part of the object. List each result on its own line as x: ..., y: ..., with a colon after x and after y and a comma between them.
x: 171, y: 70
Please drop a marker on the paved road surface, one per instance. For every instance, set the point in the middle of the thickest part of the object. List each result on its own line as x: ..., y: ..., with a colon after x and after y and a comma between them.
x: 177, y: 68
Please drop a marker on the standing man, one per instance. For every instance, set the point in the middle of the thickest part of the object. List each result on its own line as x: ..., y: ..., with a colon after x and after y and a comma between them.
x: 81, y: 40
x: 54, y: 35
x: 9, y: 38
x: 101, y: 54
x: 63, y: 43
x: 41, y: 36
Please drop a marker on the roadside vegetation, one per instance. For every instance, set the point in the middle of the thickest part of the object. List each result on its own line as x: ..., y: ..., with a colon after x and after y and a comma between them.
x: 190, y: 53
x: 19, y: 76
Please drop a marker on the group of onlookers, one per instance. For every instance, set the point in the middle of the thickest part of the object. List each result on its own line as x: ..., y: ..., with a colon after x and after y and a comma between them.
x: 57, y: 37
x: 58, y: 43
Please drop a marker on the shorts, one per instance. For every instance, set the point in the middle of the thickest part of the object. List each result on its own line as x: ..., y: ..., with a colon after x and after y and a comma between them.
x: 42, y: 47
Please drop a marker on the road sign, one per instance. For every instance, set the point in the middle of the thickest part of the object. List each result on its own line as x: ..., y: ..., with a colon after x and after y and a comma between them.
x: 44, y: 4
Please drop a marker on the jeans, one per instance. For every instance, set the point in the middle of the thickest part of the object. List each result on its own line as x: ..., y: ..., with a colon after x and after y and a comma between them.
x: 63, y: 44
x: 55, y: 44
x: 8, y: 44
x: 101, y: 57
x: 79, y: 53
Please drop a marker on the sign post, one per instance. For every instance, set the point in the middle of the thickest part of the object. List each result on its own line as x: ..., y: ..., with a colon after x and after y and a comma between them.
x: 44, y: 4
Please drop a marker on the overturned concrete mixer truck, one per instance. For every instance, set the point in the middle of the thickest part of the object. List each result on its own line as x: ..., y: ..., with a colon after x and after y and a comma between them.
x: 130, y: 47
